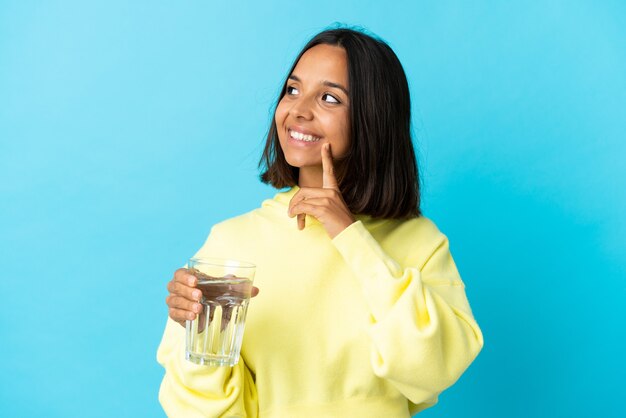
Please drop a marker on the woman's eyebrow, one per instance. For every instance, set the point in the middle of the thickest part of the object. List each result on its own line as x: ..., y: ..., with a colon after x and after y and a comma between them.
x: 325, y: 82
x: 335, y: 85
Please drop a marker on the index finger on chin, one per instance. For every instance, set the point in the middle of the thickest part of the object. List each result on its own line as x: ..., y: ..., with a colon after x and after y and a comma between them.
x: 329, y: 181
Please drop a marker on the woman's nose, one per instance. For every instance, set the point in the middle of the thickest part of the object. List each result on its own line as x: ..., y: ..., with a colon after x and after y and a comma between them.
x: 302, y: 108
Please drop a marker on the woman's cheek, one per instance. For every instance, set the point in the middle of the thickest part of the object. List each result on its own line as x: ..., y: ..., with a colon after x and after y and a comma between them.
x: 281, y: 112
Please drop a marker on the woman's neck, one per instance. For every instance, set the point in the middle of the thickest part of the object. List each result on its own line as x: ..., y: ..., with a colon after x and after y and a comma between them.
x: 310, y: 177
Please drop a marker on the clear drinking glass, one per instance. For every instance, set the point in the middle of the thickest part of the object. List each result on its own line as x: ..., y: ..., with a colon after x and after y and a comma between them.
x: 214, y: 337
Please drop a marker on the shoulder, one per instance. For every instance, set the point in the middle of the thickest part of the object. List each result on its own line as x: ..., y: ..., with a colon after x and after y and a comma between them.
x: 228, y: 236
x: 256, y: 221
x: 420, y: 230
x: 413, y: 240
x: 271, y: 210
x: 238, y: 233
x: 421, y: 227
x: 236, y: 224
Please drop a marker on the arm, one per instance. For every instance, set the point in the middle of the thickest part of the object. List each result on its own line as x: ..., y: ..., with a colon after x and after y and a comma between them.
x: 190, y: 390
x: 423, y: 334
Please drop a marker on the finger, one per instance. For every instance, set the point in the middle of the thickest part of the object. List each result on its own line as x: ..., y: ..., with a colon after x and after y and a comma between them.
x: 180, y: 315
x: 308, y: 193
x: 184, y: 276
x: 309, y: 209
x: 180, y: 289
x: 322, y: 202
x: 255, y: 291
x: 318, y: 201
x: 329, y: 181
x: 300, y: 195
x: 178, y: 302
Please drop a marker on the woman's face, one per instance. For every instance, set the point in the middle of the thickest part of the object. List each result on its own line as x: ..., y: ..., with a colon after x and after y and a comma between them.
x: 314, y: 109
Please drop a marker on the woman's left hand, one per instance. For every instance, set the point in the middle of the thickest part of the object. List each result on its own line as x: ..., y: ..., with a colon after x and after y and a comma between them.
x: 325, y: 204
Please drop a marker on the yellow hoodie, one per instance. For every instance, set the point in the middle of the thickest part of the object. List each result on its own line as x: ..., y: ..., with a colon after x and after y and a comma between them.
x: 373, y: 323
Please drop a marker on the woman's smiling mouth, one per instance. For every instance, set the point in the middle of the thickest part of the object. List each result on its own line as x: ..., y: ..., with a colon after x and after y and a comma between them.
x: 299, y: 136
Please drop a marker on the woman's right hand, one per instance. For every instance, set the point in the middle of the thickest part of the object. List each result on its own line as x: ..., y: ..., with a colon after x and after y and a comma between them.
x: 184, y: 298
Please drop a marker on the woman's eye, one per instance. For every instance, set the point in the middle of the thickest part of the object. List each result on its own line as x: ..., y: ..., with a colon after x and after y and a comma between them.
x: 330, y: 98
x: 292, y: 90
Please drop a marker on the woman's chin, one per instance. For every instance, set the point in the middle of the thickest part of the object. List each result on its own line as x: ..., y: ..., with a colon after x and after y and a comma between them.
x: 302, y: 162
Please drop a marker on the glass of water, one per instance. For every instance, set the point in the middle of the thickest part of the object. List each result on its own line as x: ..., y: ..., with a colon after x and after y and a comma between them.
x: 214, y: 337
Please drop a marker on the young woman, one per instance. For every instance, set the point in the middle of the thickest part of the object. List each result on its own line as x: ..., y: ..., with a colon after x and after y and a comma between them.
x: 362, y: 312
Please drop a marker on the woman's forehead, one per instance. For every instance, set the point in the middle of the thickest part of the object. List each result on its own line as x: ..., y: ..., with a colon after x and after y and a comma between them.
x: 323, y: 63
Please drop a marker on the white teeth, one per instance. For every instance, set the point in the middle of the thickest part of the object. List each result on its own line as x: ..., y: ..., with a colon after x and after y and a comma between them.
x: 302, y: 137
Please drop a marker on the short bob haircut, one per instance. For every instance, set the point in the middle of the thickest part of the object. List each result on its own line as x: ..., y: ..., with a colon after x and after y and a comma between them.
x: 378, y: 176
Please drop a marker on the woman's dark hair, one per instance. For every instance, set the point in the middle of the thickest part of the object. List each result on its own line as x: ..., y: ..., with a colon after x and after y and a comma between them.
x: 378, y: 176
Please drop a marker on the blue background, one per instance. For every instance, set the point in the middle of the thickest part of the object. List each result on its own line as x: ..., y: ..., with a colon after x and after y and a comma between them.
x: 128, y: 128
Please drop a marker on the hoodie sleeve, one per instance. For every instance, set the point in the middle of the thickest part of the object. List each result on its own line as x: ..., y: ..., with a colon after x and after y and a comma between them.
x: 190, y: 390
x: 423, y: 334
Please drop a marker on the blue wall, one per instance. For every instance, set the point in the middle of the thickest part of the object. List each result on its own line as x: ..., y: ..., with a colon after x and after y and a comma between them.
x: 128, y: 128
